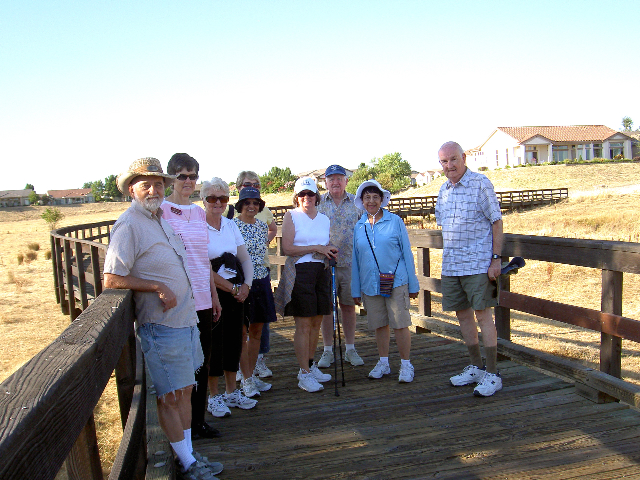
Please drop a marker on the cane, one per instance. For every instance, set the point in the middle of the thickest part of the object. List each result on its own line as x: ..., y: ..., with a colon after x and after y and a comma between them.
x: 336, y: 323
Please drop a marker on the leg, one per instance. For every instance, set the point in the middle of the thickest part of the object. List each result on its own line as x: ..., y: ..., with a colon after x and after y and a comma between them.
x: 264, y: 340
x: 253, y: 346
x: 174, y: 413
x: 348, y: 323
x: 244, y: 355
x: 468, y: 326
x: 314, y: 335
x: 403, y: 340
x: 489, y: 338
x: 383, y: 336
x: 301, y: 341
x: 327, y: 330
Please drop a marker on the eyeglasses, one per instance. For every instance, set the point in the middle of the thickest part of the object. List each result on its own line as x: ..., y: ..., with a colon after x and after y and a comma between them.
x: 214, y: 199
x: 371, y: 198
x: 255, y: 203
x: 251, y: 184
x: 306, y: 193
x: 182, y: 177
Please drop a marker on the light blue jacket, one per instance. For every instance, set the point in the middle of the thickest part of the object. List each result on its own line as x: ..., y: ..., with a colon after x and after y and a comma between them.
x: 390, y: 240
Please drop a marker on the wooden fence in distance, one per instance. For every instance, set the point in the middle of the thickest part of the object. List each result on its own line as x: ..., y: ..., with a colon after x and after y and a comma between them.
x: 425, y: 206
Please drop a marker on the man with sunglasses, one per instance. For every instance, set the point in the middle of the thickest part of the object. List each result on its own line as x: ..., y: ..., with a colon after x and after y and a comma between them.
x: 343, y: 214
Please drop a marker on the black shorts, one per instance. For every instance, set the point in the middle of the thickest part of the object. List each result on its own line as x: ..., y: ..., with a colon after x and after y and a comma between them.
x: 260, y: 306
x: 311, y: 293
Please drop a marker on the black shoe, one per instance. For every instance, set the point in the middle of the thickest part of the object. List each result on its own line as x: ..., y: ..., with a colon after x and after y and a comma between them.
x: 204, y: 430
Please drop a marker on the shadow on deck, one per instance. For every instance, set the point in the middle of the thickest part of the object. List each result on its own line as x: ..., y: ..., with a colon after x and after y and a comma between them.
x: 536, y: 427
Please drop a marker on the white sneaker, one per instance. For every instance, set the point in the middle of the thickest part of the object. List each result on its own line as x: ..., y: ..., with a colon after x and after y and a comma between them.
x: 237, y: 399
x: 239, y: 376
x: 249, y: 388
x: 406, y: 373
x: 217, y: 407
x: 379, y: 370
x: 490, y: 384
x: 215, y: 467
x: 352, y: 357
x: 261, y: 369
x: 260, y: 385
x: 470, y: 374
x: 326, y: 359
x: 318, y: 375
x: 306, y: 381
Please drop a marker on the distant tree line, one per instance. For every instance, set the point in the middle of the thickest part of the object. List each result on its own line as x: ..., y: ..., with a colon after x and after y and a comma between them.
x: 104, y: 190
x: 393, y: 173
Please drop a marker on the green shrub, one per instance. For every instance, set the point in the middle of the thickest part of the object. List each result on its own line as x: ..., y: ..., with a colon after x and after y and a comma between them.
x: 31, y: 255
x: 52, y: 216
x: 34, y: 246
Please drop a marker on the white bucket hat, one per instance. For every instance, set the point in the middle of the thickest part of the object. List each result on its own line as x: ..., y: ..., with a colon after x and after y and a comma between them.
x: 305, y: 183
x: 386, y: 195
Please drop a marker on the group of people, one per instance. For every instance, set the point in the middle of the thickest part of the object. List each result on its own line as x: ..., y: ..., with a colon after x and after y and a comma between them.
x: 202, y: 286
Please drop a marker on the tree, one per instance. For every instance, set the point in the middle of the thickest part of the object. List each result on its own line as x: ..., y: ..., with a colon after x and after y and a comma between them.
x: 391, y: 171
x: 28, y: 186
x: 627, y: 123
x: 277, y: 180
x: 111, y: 187
x: 52, y: 216
x: 97, y: 188
x: 33, y: 198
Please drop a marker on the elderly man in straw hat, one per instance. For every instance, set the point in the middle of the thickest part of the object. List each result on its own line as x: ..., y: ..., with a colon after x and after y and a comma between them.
x: 148, y: 257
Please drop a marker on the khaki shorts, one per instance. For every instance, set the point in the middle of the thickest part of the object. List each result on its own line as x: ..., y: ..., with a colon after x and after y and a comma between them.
x: 343, y: 285
x: 392, y: 311
x: 468, y: 291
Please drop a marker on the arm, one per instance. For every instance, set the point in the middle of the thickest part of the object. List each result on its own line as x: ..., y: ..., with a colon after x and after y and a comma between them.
x: 355, y: 273
x: 498, y: 238
x: 215, y: 301
x: 289, y: 249
x: 167, y: 297
x: 247, y: 268
x: 414, y: 286
x: 273, y: 230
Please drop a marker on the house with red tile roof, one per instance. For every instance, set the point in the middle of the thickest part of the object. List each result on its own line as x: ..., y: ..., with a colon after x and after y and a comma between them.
x: 513, y: 146
x: 75, y: 195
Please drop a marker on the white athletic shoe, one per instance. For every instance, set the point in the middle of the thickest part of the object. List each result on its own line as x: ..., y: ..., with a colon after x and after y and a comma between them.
x: 237, y: 399
x: 379, y: 370
x: 490, y: 384
x: 318, y: 375
x: 406, y: 374
x: 260, y: 385
x: 217, y: 407
x: 261, y: 369
x: 470, y: 374
x: 352, y: 357
x: 326, y: 359
x: 306, y: 381
x: 249, y: 388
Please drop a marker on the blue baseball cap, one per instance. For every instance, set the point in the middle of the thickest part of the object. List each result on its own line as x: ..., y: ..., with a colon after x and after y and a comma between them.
x: 335, y: 170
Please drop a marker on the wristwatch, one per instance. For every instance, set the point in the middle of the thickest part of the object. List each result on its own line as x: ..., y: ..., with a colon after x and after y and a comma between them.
x: 495, y: 256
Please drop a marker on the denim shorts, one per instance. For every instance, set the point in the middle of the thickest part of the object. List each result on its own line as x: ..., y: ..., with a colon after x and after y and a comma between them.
x: 172, y: 355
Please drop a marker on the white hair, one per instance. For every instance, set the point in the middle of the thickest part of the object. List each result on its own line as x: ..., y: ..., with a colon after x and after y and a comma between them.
x: 216, y: 183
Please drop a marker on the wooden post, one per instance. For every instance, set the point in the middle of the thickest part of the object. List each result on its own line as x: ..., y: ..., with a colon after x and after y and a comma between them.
x: 82, y: 281
x: 611, y: 346
x: 54, y: 265
x: 95, y: 266
x: 424, y: 268
x: 126, y: 377
x: 71, y: 295
x: 83, y: 462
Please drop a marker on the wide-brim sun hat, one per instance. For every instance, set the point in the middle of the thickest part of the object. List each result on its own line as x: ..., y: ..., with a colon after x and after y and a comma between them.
x: 386, y: 194
x: 249, y: 192
x: 305, y: 183
x: 145, y: 167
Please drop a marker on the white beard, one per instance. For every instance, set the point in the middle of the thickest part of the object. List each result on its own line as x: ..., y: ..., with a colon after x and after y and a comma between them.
x: 150, y: 204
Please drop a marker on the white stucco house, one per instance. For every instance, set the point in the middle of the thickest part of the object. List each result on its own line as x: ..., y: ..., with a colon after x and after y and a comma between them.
x: 511, y: 146
x: 424, y: 178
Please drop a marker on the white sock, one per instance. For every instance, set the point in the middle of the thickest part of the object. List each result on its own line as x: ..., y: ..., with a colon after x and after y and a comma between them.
x: 184, y: 453
x: 405, y: 362
x: 350, y: 346
x: 187, y: 437
x: 328, y: 348
x: 384, y: 360
x: 260, y: 355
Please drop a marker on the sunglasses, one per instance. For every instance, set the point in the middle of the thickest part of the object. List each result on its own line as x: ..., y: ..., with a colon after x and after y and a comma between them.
x: 306, y: 193
x: 214, y: 199
x: 250, y: 184
x: 182, y: 177
x: 255, y: 203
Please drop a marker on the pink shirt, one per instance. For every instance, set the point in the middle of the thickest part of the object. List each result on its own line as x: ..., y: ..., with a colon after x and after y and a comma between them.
x: 190, y: 222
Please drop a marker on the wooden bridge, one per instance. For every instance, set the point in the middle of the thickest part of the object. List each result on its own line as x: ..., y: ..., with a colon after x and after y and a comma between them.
x: 425, y: 206
x: 556, y: 420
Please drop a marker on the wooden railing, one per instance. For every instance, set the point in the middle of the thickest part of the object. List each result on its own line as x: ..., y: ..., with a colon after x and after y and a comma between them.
x: 47, y: 405
x: 611, y: 258
x: 425, y: 206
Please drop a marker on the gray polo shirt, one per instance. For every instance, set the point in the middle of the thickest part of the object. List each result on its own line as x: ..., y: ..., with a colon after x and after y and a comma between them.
x: 145, y: 246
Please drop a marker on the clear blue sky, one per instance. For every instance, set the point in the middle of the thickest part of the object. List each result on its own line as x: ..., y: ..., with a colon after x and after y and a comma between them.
x: 88, y: 87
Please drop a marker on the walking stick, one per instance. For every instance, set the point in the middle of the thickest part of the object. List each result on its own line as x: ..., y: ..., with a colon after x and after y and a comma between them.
x: 336, y: 324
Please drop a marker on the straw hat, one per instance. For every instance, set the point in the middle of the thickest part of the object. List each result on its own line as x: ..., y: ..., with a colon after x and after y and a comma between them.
x: 146, y: 167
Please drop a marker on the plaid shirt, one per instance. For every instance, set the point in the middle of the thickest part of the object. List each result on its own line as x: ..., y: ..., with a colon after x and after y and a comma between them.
x: 466, y: 211
x: 343, y: 219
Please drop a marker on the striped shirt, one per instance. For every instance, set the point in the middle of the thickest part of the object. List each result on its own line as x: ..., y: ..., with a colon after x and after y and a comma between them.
x: 190, y: 222
x: 466, y: 211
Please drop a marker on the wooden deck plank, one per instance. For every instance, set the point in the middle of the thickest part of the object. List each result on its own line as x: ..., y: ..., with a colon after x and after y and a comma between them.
x: 536, y: 427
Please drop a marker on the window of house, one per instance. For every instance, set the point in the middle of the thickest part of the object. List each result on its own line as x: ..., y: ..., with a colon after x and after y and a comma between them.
x: 531, y: 155
x: 615, y: 149
x: 597, y: 150
x: 560, y: 152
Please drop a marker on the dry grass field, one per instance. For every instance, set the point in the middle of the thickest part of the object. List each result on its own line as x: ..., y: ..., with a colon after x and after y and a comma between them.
x: 603, y: 204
